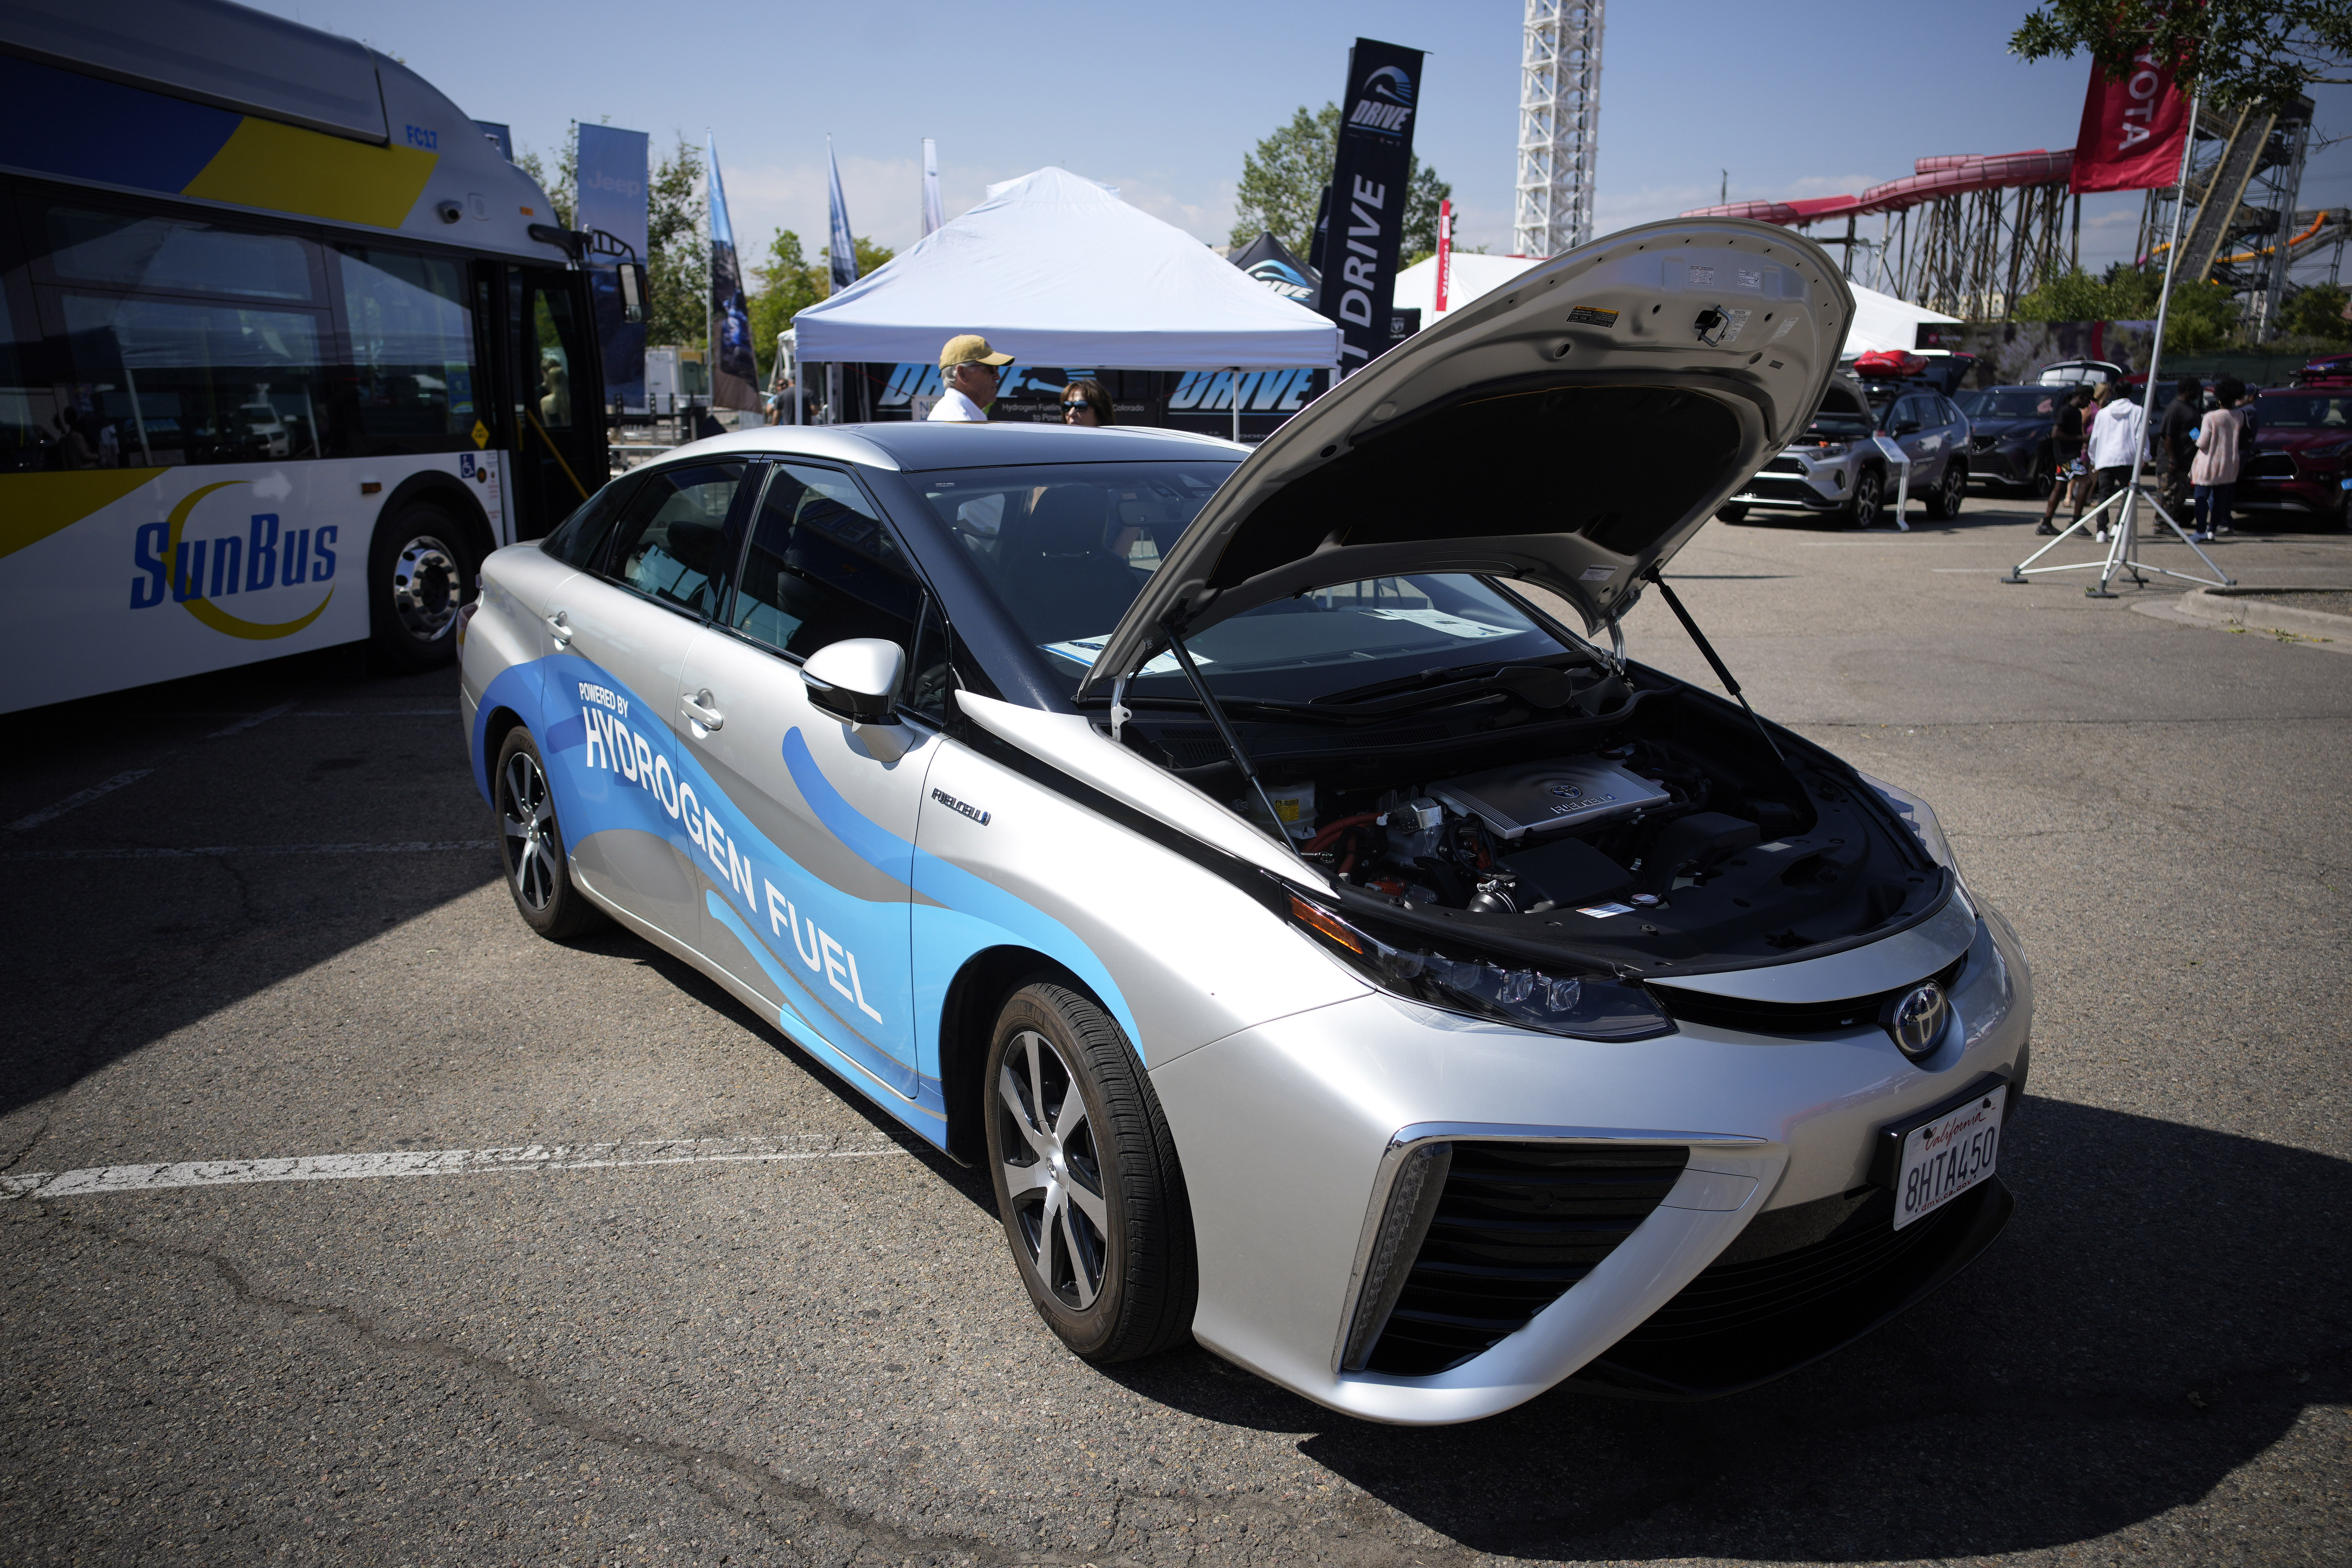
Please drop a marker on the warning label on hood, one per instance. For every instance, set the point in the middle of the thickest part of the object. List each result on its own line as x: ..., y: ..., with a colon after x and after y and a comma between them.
x: 1591, y: 316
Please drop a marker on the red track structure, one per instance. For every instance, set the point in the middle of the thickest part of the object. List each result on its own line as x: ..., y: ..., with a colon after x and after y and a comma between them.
x: 1990, y: 228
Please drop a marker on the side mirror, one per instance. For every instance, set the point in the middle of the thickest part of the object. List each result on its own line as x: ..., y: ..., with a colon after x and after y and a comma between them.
x: 632, y: 290
x: 856, y: 679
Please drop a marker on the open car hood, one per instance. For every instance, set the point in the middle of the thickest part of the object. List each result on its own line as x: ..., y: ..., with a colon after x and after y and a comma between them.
x: 1572, y: 429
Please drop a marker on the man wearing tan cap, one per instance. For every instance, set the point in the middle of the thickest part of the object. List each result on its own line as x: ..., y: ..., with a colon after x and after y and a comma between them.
x: 967, y: 370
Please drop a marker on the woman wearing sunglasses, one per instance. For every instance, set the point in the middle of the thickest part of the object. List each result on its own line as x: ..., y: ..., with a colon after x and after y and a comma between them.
x: 1086, y: 403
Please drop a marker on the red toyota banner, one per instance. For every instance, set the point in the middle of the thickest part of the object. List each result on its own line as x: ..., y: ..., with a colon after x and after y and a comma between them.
x: 2132, y: 128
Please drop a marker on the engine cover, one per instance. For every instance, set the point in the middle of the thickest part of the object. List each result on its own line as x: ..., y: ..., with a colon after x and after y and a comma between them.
x: 1531, y: 798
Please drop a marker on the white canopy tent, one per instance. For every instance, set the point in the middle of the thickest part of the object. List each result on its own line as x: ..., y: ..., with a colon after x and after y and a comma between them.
x: 1880, y: 321
x: 1056, y: 270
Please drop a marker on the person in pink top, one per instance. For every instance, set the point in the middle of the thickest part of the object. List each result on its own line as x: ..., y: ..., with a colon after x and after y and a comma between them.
x: 2215, y: 472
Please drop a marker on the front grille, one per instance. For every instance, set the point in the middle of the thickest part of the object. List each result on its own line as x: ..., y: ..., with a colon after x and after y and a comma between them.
x: 1983, y: 443
x: 1789, y: 1017
x: 2272, y: 465
x: 1784, y: 466
x: 1517, y: 1225
x: 1746, y: 1322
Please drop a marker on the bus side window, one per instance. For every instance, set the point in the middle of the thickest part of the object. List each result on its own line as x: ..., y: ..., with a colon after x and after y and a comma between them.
x: 412, y: 349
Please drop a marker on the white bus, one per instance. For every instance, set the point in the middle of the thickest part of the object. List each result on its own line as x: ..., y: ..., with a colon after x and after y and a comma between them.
x: 286, y: 346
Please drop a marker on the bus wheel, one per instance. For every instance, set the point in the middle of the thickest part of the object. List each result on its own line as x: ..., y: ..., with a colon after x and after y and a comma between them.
x: 419, y: 571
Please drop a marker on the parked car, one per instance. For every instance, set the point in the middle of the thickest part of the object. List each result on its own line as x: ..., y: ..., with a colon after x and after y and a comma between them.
x: 2011, y: 434
x: 2069, y: 371
x: 1331, y: 954
x: 2325, y: 370
x: 2300, y: 456
x: 1836, y: 471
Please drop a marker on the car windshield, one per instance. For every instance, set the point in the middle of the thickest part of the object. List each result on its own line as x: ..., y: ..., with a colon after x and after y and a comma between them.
x: 1067, y: 549
x: 2011, y: 403
x: 2304, y: 411
x: 1832, y: 426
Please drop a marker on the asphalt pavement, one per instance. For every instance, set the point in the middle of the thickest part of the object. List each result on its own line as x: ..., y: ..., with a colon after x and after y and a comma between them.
x: 585, y: 1264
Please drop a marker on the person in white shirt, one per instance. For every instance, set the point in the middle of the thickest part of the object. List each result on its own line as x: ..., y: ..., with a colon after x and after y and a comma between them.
x: 2116, y: 437
x: 967, y: 371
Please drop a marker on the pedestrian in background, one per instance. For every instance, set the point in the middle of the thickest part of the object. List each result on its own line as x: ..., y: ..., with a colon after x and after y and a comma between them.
x: 2214, y: 471
x: 967, y: 371
x: 1083, y: 402
x: 2116, y: 438
x: 2068, y: 472
x: 2176, y: 440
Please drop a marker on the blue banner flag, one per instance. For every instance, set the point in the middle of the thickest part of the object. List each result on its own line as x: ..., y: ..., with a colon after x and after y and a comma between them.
x: 843, y: 250
x: 614, y: 175
x: 734, y: 369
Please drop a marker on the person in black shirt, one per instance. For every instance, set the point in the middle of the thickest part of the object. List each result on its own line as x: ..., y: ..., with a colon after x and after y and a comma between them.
x: 2065, y: 458
x: 2176, y: 444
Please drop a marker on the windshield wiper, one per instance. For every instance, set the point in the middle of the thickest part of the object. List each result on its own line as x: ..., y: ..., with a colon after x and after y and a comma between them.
x: 1428, y: 681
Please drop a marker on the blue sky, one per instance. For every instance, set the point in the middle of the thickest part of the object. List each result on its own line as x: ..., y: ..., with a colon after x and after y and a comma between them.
x: 1163, y: 101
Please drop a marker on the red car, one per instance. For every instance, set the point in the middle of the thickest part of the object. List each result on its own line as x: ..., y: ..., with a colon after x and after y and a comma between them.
x: 2301, y: 455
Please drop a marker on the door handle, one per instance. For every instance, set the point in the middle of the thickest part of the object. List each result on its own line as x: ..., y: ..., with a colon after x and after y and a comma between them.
x: 698, y: 708
x: 559, y: 627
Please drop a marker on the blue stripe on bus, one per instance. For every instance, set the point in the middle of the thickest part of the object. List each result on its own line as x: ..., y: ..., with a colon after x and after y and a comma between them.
x: 77, y: 127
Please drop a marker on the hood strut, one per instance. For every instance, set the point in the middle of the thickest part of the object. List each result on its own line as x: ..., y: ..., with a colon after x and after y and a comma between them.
x: 1225, y: 734
x: 1675, y: 603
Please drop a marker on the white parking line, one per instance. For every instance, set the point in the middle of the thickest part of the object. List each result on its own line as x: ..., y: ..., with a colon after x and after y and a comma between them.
x: 414, y: 847
x: 106, y: 1179
x: 250, y: 720
x: 81, y: 798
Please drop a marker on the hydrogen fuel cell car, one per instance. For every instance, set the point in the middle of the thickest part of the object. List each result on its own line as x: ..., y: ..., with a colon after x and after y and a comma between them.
x: 1271, y: 867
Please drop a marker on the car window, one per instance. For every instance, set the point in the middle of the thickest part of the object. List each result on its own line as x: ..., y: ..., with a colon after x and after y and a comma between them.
x: 672, y: 534
x: 2304, y: 411
x: 578, y: 540
x: 822, y: 567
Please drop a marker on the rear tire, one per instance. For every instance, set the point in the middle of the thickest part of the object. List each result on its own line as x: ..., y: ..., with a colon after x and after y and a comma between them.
x: 531, y: 843
x: 1088, y: 1185
x: 421, y: 566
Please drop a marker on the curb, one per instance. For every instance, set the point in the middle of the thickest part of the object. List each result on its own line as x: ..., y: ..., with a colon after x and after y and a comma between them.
x: 2235, y: 610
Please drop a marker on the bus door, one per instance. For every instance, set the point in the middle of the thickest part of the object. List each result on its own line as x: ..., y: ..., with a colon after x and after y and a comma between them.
x: 555, y: 386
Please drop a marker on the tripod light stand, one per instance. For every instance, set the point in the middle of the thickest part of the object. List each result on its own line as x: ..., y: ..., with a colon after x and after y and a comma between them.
x: 2123, y: 551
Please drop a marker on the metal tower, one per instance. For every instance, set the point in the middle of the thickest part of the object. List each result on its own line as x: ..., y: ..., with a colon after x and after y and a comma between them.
x: 1559, y: 125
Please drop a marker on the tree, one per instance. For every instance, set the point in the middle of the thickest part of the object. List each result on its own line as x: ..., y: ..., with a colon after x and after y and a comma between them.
x: 677, y: 251
x: 2202, y: 318
x: 2237, y: 51
x: 785, y: 282
x: 563, y: 190
x: 1282, y: 187
x: 2317, y: 311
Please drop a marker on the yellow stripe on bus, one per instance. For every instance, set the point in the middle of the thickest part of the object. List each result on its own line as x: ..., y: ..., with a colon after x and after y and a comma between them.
x: 35, y: 505
x: 287, y: 169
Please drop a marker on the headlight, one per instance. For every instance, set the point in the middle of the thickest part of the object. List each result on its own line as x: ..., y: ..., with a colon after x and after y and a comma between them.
x: 2334, y: 454
x: 1920, y: 818
x: 1589, y: 1006
x: 1833, y: 449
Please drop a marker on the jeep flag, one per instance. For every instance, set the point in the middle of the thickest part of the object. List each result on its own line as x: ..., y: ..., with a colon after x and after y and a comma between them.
x: 1368, y: 197
x: 2131, y: 127
x: 734, y: 371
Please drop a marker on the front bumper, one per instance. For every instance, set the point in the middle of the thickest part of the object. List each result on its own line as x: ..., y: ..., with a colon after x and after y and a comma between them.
x: 1291, y: 1133
x: 1795, y: 481
x: 2275, y: 482
x: 2003, y: 464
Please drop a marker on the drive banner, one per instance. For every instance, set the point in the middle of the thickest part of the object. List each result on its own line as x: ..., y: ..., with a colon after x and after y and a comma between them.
x: 1368, y: 197
x: 615, y: 174
x: 734, y: 369
x: 2131, y: 127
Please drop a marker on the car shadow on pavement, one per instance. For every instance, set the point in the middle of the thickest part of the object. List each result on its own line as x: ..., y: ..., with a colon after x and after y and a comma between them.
x: 2165, y: 1305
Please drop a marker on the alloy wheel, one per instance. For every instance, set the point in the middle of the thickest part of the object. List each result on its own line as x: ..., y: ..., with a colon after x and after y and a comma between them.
x: 527, y: 816
x: 426, y: 587
x: 1052, y: 1171
x: 1865, y: 500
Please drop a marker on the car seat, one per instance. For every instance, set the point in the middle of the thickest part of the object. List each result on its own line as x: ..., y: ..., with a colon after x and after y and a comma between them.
x: 1059, y: 580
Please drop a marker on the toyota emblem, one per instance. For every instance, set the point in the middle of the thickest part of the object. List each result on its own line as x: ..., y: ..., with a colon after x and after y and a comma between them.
x: 1568, y: 791
x: 1917, y: 1019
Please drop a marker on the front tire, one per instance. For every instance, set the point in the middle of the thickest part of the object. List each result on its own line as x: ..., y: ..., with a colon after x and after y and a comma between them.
x: 1731, y: 513
x: 1950, y: 492
x: 1087, y: 1184
x: 1862, y: 510
x: 531, y: 842
x: 420, y: 570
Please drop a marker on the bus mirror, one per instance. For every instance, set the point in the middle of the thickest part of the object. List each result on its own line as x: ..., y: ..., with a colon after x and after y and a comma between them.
x: 632, y: 290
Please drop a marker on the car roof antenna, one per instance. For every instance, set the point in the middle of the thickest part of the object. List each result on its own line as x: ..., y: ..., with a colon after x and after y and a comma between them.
x: 1225, y: 734
x: 1675, y: 603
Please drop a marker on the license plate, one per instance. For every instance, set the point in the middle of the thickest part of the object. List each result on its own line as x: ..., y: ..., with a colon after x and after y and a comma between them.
x: 1947, y: 1157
